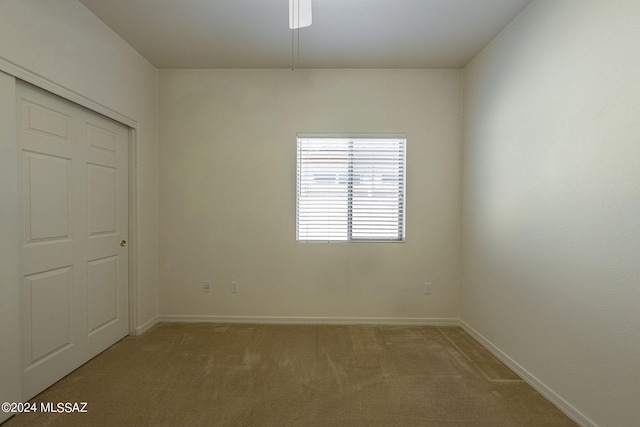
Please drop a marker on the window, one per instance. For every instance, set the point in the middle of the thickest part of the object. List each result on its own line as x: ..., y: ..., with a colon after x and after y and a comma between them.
x: 351, y: 189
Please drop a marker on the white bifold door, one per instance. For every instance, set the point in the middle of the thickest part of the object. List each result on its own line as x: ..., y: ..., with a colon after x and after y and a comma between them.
x: 74, y: 178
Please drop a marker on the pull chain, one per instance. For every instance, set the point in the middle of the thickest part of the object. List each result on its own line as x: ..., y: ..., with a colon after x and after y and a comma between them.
x: 296, y: 3
x: 292, y: 49
x: 298, y: 29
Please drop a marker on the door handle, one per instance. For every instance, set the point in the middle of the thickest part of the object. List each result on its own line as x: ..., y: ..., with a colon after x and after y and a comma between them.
x: 123, y: 243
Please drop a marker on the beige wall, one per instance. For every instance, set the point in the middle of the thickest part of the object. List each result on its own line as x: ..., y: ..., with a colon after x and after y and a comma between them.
x: 227, y: 195
x: 552, y: 202
x: 60, y: 44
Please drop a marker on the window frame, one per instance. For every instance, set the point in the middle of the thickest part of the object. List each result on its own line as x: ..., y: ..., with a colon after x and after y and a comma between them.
x: 402, y: 191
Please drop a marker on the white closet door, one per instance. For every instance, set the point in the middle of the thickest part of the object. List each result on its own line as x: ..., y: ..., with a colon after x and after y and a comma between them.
x: 75, y: 218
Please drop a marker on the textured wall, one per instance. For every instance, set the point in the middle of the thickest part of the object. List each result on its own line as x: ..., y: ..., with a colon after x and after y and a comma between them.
x: 227, y: 193
x: 551, y: 234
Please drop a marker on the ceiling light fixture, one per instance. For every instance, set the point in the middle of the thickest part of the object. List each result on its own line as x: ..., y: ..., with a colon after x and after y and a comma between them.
x: 299, y: 17
x: 299, y: 14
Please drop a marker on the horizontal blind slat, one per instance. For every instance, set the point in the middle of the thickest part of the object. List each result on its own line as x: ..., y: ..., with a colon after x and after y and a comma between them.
x: 350, y: 188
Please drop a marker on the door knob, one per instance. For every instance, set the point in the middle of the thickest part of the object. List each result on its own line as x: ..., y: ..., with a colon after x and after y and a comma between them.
x: 123, y: 243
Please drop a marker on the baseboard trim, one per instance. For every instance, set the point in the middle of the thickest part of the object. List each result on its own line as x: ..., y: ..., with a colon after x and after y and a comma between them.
x: 144, y: 328
x: 311, y: 320
x: 534, y: 382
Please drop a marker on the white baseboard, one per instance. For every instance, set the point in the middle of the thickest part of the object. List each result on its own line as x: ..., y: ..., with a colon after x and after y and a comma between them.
x: 558, y: 401
x: 144, y: 328
x: 311, y: 320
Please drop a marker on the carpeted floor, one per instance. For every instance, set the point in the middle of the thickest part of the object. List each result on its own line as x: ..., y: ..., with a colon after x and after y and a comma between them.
x: 296, y: 375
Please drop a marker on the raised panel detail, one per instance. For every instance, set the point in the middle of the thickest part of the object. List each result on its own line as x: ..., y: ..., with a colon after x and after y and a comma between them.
x: 45, y: 121
x: 101, y: 139
x: 103, y: 292
x: 73, y: 168
x: 101, y: 187
x: 47, y: 197
x: 47, y: 297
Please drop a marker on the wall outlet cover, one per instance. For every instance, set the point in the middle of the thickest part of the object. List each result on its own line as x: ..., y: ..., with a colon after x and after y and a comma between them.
x: 427, y: 288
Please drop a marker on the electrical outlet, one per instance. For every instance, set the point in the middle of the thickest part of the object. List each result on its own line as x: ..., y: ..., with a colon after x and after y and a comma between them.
x: 206, y: 286
x: 427, y: 288
x: 234, y: 287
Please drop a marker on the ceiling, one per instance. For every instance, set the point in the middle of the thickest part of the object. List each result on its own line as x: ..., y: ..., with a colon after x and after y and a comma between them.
x: 344, y: 33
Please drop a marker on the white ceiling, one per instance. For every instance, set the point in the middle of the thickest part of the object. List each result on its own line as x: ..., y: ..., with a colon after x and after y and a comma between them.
x: 344, y: 33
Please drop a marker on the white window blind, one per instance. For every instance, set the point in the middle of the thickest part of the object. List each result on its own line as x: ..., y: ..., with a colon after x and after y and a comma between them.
x: 351, y: 189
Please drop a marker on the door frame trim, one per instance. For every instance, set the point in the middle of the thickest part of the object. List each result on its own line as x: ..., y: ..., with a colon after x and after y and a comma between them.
x: 63, y: 92
x: 23, y: 74
x: 11, y: 299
